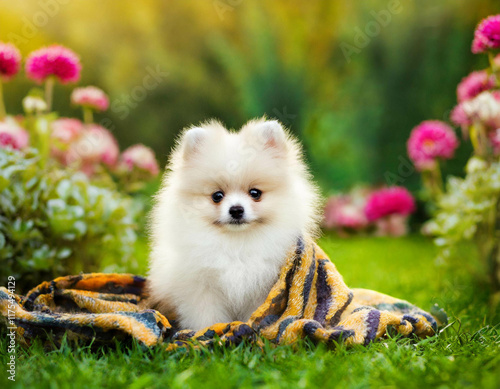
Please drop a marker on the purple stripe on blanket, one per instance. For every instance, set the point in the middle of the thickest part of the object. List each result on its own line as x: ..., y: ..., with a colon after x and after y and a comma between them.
x: 297, y: 262
x: 339, y: 334
x: 336, y: 318
x: 283, y: 325
x: 372, y: 322
x: 324, y: 294
x: 308, y: 283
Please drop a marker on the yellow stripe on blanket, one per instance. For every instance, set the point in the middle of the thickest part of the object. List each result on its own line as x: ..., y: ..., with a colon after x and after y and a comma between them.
x: 310, y: 299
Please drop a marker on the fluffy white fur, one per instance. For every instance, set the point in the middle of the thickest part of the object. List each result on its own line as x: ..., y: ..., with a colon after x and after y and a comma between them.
x: 204, y: 269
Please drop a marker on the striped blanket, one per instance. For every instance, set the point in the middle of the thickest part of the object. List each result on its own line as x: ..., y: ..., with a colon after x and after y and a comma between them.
x: 309, y: 299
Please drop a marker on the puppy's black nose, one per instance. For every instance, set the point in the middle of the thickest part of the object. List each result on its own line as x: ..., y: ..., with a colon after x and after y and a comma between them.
x: 236, y: 211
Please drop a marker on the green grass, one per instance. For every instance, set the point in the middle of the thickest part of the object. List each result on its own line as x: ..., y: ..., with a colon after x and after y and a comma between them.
x: 466, y: 354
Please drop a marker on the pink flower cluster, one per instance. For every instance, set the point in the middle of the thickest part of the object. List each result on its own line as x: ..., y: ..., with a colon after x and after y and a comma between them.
x: 472, y: 87
x: 477, y: 113
x: 487, y: 35
x: 140, y: 157
x: 88, y: 146
x: 66, y: 130
x: 94, y: 146
x: 10, y: 61
x: 459, y: 118
x: 55, y: 60
x: 346, y: 212
x: 384, y: 211
x: 474, y: 84
x: 484, y: 108
x: 12, y: 135
x: 85, y: 146
x: 469, y: 88
x: 429, y: 141
x: 389, y: 201
x: 91, y: 97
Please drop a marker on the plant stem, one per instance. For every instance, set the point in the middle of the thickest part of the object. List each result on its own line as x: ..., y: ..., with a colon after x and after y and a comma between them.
x: 433, y: 182
x: 2, y: 106
x: 438, y: 177
x: 494, y: 69
x: 491, y: 58
x: 49, y: 91
x: 479, y: 140
x: 474, y: 140
x: 88, y: 115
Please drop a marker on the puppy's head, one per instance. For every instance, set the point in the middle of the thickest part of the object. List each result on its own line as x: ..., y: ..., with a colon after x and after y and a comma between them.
x: 242, y: 181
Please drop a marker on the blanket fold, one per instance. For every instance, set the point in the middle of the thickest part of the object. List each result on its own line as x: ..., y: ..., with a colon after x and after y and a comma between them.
x: 309, y: 299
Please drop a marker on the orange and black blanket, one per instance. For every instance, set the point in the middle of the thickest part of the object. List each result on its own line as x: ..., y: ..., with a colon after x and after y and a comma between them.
x: 309, y: 299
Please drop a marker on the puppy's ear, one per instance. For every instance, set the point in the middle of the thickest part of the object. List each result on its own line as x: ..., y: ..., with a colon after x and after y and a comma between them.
x: 192, y: 140
x: 268, y: 133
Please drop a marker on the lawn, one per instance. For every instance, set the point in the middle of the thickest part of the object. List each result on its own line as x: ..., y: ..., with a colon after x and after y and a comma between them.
x: 465, y: 354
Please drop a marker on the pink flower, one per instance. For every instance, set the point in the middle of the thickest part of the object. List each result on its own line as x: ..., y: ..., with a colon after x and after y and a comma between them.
x: 392, y: 225
x: 459, y: 117
x: 495, y: 141
x: 91, y: 97
x: 349, y: 216
x: 10, y: 61
x: 484, y: 108
x: 94, y: 145
x: 141, y: 157
x: 474, y: 84
x: 7, y: 140
x: 12, y: 135
x: 83, y: 146
x: 430, y: 140
x: 54, y: 60
x: 342, y: 212
x: 487, y: 35
x: 65, y: 131
x: 389, y: 201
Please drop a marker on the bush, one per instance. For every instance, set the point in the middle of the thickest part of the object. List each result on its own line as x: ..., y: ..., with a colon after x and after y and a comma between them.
x: 467, y: 209
x: 54, y: 221
x: 69, y: 199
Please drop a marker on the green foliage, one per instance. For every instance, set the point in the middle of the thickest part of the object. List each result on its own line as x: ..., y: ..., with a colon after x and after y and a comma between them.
x: 467, y: 203
x: 470, y: 210
x: 465, y: 355
x: 55, y: 222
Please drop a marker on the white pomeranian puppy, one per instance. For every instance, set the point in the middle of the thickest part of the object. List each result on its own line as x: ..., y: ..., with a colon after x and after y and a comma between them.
x: 231, y: 207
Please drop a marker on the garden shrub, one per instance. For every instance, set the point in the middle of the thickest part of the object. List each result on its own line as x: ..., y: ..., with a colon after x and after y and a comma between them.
x: 69, y: 199
x: 54, y: 221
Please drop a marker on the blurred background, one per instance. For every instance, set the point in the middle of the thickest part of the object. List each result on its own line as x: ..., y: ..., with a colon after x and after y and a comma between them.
x: 350, y: 79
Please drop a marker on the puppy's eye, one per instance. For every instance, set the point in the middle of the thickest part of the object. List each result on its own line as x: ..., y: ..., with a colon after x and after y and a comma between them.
x: 217, y: 196
x: 255, y: 193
